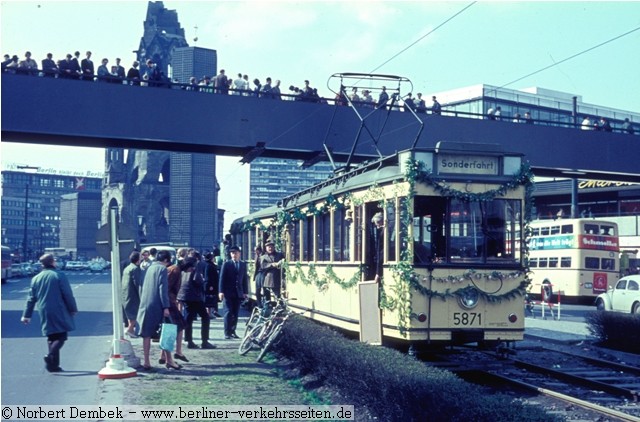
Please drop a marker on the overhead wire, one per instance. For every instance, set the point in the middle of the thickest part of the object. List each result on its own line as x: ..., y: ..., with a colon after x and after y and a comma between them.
x: 570, y: 57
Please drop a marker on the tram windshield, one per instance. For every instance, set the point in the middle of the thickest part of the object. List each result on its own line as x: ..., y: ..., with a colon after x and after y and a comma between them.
x: 451, y: 231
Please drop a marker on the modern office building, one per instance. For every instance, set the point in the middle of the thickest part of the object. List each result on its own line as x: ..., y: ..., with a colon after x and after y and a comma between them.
x: 270, y: 180
x: 193, y: 61
x: 79, y: 218
x: 31, y: 218
x: 545, y: 106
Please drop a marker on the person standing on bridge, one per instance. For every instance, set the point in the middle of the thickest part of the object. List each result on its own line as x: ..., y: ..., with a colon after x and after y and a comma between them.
x: 51, y: 294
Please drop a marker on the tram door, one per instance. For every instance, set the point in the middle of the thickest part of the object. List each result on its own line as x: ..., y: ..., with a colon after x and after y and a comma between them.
x: 370, y: 314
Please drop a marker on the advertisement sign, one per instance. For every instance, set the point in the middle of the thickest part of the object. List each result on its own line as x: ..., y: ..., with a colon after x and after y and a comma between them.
x: 599, y: 283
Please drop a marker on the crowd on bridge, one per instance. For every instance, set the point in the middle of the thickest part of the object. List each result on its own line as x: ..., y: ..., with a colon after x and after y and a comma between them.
x: 72, y: 67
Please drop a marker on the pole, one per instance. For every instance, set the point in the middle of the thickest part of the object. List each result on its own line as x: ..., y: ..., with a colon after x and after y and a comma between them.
x: 117, y: 366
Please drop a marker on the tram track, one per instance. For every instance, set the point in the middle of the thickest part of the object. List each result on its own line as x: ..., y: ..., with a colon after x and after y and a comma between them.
x: 599, y: 387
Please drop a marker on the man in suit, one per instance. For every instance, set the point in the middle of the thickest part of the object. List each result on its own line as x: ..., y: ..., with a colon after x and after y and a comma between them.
x: 87, y: 68
x: 74, y: 66
x: 233, y: 288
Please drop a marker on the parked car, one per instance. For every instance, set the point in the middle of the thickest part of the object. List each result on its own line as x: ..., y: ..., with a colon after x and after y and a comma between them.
x: 96, y: 266
x: 16, y: 270
x: 36, y: 267
x: 75, y: 266
x: 27, y: 270
x: 623, y: 297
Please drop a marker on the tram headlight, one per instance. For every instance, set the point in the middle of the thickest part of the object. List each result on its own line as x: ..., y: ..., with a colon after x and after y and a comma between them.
x: 513, y: 318
x: 469, y: 298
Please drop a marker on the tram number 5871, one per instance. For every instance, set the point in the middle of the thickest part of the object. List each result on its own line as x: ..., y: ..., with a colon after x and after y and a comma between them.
x: 467, y: 318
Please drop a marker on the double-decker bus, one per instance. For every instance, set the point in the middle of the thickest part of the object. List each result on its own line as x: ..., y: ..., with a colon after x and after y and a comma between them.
x: 578, y: 257
x: 6, y: 263
x: 451, y: 266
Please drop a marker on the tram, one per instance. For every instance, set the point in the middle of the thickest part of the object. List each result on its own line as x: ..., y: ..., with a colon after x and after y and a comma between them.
x: 423, y: 246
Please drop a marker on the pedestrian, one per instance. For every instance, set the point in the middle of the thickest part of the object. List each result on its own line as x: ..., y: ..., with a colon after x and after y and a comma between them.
x: 436, y: 108
x: 51, y: 294
x: 191, y: 294
x: 131, y: 288
x: 233, y: 288
x: 211, y: 281
x: 154, y: 305
x: 271, y: 265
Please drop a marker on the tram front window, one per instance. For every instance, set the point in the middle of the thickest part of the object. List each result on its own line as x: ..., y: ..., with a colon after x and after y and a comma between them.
x: 453, y: 231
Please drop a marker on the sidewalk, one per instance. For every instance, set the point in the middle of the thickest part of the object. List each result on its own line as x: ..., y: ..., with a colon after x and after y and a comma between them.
x: 568, y: 332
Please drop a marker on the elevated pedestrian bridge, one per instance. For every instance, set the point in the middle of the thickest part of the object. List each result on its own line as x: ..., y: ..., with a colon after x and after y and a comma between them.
x: 44, y: 110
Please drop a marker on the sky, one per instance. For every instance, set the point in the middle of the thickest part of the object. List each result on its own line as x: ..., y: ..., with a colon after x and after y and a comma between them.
x: 437, y: 45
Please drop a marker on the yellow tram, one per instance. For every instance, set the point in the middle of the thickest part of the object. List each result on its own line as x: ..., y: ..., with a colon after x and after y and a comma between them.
x: 445, y: 264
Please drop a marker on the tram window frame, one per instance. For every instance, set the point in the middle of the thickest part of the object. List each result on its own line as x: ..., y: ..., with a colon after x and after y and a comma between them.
x: 533, y: 262
x: 554, y: 230
x: 359, y: 233
x: 543, y: 262
x: 565, y: 262
x: 544, y: 231
x: 553, y: 262
x: 592, y: 263
x: 390, y: 232
x: 323, y: 237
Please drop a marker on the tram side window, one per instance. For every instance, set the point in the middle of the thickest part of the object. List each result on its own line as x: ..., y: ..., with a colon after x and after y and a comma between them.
x: 429, y: 230
x: 308, y: 239
x: 294, y: 241
x: 592, y: 263
x: 341, y: 239
x: 565, y: 262
x: 323, y: 235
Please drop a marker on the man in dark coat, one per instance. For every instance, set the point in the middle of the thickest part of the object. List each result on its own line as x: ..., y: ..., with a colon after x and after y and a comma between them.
x: 51, y: 294
x: 233, y: 288
x: 49, y: 67
x: 211, y: 281
x: 87, y: 68
x: 191, y: 294
x: 74, y: 66
x: 271, y: 263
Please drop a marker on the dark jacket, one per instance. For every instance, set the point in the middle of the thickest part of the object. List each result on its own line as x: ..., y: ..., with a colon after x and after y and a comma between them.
x: 233, y: 283
x: 211, y: 279
x: 192, y: 287
x: 87, y: 69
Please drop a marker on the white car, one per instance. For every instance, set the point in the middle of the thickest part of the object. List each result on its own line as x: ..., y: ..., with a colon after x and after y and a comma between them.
x: 624, y: 297
x: 75, y: 266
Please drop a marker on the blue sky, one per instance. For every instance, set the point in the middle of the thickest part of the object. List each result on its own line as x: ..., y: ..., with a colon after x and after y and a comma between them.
x: 490, y: 42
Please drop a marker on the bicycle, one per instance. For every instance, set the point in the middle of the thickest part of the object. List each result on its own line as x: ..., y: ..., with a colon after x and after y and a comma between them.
x: 263, y: 326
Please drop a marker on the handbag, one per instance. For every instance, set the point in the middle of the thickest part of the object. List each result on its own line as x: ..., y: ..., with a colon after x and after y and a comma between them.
x: 168, y: 335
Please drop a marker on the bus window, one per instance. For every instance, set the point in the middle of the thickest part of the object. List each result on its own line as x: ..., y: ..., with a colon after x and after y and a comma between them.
x: 606, y: 230
x: 592, y: 263
x: 543, y: 262
x: 567, y: 229
x: 535, y: 232
x: 591, y: 229
x: 544, y: 231
x: 533, y: 262
x: 553, y: 262
x: 565, y: 262
x: 608, y: 264
x: 555, y: 230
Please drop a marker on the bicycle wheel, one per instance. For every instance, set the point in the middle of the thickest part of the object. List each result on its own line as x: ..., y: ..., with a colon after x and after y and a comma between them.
x: 253, y: 319
x: 247, y: 342
x: 270, y: 341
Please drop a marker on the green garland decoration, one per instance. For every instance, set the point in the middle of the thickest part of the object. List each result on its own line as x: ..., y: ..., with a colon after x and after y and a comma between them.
x: 322, y: 281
